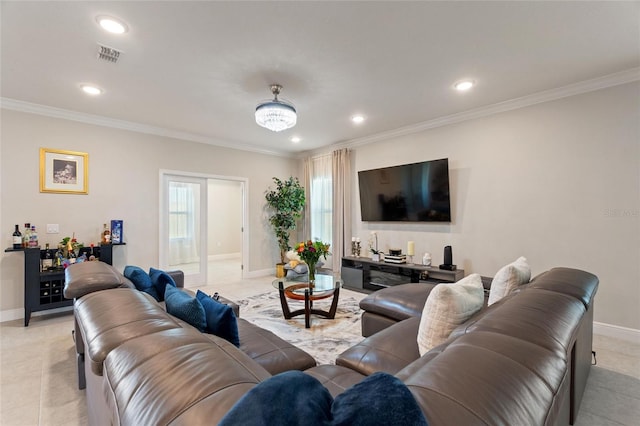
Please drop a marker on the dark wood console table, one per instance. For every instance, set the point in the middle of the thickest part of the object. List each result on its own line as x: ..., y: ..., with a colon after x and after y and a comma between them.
x: 365, y: 275
x: 43, y: 290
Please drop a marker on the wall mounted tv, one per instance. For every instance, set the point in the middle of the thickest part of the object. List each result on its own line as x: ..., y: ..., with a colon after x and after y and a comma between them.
x: 417, y: 192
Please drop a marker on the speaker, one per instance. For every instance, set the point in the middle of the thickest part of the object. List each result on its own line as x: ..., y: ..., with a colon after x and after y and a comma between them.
x: 448, y: 260
x: 448, y: 256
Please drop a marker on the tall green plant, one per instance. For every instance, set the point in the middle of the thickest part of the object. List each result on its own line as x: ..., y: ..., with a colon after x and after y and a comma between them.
x: 287, y: 203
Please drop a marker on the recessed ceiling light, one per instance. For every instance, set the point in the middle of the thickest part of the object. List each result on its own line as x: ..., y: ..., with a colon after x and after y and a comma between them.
x: 295, y: 139
x: 112, y: 25
x: 464, y: 85
x: 357, y: 119
x: 91, y: 90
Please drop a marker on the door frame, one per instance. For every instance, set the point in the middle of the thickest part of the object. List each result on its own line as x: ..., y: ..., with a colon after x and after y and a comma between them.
x: 244, y: 187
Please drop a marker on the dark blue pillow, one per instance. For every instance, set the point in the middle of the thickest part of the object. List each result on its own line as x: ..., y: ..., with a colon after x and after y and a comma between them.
x: 295, y: 398
x: 394, y: 404
x: 185, y: 307
x: 292, y: 398
x: 221, y: 320
x: 141, y: 280
x: 160, y: 279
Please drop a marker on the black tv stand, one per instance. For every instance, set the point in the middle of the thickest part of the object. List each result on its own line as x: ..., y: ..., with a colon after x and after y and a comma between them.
x: 365, y: 275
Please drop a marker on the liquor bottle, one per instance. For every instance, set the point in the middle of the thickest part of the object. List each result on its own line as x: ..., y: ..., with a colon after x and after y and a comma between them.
x: 72, y: 256
x: 33, y: 238
x: 59, y: 257
x: 47, y: 262
x: 106, y: 235
x: 17, y: 238
x: 26, y: 235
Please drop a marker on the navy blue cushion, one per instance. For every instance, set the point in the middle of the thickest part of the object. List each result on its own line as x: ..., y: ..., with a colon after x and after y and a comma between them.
x: 221, y: 320
x: 295, y: 398
x: 380, y: 399
x: 160, y: 279
x: 286, y: 399
x: 141, y: 280
x: 185, y: 307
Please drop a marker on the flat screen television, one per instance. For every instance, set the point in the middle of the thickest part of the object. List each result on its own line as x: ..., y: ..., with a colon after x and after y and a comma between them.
x: 417, y: 192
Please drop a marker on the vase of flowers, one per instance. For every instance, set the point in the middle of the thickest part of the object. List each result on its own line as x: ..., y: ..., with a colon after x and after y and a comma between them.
x: 310, y: 252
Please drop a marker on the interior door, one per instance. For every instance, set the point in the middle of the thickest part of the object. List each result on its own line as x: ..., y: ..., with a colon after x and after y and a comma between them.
x: 184, y: 227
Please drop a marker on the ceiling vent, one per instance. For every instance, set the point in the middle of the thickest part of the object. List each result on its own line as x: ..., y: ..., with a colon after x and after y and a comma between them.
x: 108, y: 54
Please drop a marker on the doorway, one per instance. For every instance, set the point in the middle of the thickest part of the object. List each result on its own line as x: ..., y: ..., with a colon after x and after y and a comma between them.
x: 202, y: 226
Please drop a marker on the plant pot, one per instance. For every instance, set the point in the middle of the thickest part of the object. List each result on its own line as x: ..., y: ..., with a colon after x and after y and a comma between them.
x: 280, y: 270
x: 375, y: 257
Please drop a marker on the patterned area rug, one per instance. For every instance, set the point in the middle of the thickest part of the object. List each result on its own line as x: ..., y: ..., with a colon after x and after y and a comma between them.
x: 326, y: 338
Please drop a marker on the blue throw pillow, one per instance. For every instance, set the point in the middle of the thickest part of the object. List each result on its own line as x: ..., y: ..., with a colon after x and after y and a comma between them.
x: 295, y: 398
x: 141, y: 280
x: 160, y: 279
x: 185, y: 307
x: 292, y: 398
x: 394, y: 404
x: 221, y: 320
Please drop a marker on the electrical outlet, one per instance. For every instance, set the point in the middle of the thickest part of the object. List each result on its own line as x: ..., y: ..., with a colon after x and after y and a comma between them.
x: 53, y: 228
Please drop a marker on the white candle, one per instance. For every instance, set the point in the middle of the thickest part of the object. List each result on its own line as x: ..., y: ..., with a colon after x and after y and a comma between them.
x: 353, y: 239
x: 411, y: 248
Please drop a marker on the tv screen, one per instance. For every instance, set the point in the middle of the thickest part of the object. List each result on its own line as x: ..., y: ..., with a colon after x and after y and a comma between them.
x: 417, y: 192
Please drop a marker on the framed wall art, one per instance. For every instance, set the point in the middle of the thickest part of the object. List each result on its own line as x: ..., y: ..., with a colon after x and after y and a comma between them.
x: 64, y: 172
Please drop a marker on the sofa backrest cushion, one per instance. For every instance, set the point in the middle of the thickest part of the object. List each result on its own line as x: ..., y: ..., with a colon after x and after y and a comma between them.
x: 488, y: 378
x: 108, y: 318
x: 176, y: 377
x: 508, y: 278
x: 448, y: 306
x: 580, y: 284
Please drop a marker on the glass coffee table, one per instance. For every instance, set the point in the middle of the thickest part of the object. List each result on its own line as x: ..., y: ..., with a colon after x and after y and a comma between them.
x: 324, y: 287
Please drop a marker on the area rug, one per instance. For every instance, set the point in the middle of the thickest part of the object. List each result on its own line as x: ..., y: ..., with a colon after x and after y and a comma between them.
x: 325, y: 340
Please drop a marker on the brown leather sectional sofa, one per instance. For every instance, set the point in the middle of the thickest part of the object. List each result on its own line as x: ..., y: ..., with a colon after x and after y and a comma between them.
x: 522, y: 361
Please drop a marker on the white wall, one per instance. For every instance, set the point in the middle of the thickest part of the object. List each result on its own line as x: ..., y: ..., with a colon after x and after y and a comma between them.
x: 556, y: 182
x: 225, y: 217
x: 123, y: 184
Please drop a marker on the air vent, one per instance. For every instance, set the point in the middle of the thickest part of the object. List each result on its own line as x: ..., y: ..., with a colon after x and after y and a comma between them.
x: 108, y: 54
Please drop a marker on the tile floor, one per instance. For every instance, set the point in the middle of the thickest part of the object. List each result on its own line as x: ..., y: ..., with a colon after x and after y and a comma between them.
x: 38, y: 379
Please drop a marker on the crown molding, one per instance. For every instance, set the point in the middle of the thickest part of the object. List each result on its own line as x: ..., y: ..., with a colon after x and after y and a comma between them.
x: 586, y: 86
x: 97, y: 120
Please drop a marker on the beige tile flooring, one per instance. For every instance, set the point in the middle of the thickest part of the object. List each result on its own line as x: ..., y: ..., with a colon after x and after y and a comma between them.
x: 38, y: 380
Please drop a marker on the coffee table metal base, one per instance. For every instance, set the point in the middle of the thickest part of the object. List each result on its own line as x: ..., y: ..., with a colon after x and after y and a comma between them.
x: 308, y: 298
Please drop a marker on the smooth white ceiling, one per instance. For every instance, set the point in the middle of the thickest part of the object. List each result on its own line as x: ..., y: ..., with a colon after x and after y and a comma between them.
x: 201, y: 67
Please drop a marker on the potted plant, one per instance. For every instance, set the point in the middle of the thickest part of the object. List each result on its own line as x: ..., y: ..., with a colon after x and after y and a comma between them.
x: 287, y: 203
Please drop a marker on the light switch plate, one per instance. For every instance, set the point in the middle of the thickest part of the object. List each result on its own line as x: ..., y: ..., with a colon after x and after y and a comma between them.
x: 53, y: 228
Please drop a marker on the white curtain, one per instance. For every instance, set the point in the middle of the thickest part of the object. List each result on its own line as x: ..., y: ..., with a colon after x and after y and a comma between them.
x: 341, y: 218
x: 319, y: 207
x: 184, y: 201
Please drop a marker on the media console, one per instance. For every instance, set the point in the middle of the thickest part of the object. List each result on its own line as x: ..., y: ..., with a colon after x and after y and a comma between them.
x: 365, y: 275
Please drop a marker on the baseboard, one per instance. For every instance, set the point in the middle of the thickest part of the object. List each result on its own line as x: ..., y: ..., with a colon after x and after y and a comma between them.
x: 615, y: 331
x: 18, y: 314
x: 224, y: 256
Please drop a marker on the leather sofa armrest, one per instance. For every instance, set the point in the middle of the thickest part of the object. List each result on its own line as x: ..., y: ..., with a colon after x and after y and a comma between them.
x: 178, y: 277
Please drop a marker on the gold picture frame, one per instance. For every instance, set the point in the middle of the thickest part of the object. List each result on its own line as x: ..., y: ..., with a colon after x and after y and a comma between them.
x: 64, y: 172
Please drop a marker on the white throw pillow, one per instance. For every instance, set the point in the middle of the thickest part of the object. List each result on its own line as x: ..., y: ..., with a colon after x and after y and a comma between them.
x: 508, y: 278
x: 448, y: 306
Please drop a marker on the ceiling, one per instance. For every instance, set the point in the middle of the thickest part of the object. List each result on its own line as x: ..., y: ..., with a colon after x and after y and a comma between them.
x: 198, y: 69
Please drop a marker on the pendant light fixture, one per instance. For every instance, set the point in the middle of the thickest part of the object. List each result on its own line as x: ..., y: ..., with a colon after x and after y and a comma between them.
x: 276, y: 115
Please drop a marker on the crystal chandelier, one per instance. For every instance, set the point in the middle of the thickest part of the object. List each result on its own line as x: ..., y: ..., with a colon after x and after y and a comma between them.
x: 276, y: 115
